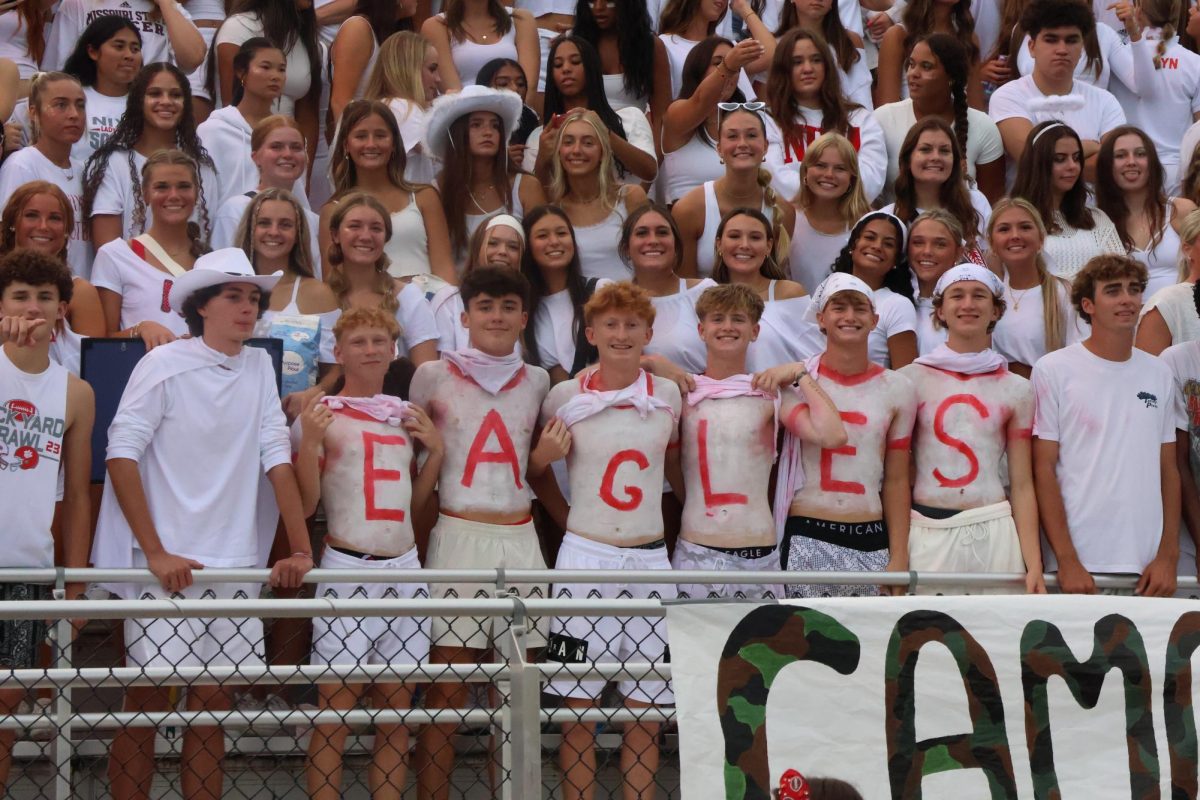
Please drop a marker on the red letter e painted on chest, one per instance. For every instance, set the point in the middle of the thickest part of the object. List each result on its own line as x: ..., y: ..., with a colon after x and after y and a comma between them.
x: 493, y: 423
x: 828, y: 483
x: 373, y: 475
x: 939, y: 430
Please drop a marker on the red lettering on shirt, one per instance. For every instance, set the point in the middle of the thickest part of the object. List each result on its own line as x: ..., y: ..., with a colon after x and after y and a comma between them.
x: 1170, y: 63
x: 711, y: 498
x: 828, y: 483
x: 166, y: 297
x: 373, y: 475
x: 493, y: 423
x: 797, y: 142
x: 633, y: 495
x: 939, y: 430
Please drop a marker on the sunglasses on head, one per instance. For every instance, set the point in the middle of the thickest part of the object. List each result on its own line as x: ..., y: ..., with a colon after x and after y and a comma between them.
x: 754, y: 106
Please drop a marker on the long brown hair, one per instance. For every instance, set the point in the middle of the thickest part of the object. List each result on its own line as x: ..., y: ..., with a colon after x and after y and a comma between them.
x: 300, y: 260
x: 1033, y: 180
x: 952, y: 194
x: 769, y: 268
x: 454, y: 184
x: 15, y: 206
x: 1110, y: 198
x: 341, y: 166
x: 831, y: 28
x: 781, y: 100
x: 384, y: 283
x: 918, y: 21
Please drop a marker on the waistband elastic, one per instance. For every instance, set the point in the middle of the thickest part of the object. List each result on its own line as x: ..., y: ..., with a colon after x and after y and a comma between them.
x: 448, y: 524
x: 866, y: 537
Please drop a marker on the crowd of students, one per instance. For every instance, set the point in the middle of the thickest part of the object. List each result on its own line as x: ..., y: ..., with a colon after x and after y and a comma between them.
x: 754, y: 286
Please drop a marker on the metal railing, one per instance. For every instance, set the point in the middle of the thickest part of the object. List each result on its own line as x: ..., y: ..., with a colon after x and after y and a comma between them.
x: 518, y: 716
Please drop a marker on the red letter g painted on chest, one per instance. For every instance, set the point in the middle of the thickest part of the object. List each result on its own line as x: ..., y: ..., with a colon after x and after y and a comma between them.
x: 633, y: 495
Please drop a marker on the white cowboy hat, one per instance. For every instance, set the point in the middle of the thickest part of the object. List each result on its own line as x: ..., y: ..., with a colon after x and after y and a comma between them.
x: 449, y: 107
x: 227, y: 265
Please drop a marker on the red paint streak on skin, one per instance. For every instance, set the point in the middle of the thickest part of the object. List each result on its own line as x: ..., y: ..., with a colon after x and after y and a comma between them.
x: 633, y: 494
x: 849, y: 380
x: 900, y: 444
x: 493, y: 423
x: 939, y: 430
x: 713, y: 499
x: 828, y: 483
x: 1021, y: 433
x: 795, y: 412
x: 373, y: 475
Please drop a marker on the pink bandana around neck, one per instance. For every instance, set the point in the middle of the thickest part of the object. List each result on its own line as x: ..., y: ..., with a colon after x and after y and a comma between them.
x: 491, y: 373
x: 789, y: 477
x: 734, y: 386
x: 981, y: 363
x: 381, y: 407
x: 590, y: 402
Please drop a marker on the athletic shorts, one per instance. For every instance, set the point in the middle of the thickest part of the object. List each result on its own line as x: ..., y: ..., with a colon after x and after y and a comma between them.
x: 817, y: 545
x: 463, y: 544
x: 21, y: 638
x: 351, y: 641
x: 606, y: 640
x: 195, y: 641
x: 975, y: 540
x: 689, y: 555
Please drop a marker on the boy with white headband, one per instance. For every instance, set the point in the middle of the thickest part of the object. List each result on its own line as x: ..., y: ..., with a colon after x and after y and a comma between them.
x: 728, y: 433
x: 357, y: 452
x: 199, y: 423
x: 623, y: 439
x: 1107, y: 481
x: 485, y: 402
x: 496, y: 242
x: 851, y: 513
x: 971, y: 413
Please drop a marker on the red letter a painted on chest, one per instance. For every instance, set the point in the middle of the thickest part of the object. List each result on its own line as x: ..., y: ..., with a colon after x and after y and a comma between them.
x: 493, y: 423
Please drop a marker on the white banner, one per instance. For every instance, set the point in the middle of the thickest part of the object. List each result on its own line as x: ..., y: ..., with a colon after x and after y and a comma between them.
x: 942, y: 698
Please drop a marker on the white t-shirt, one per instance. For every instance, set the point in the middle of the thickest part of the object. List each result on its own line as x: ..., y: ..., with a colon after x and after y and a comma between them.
x: 73, y: 17
x: 1109, y: 419
x: 896, y: 315
x: 240, y: 27
x: 1114, y: 51
x: 783, y: 158
x: 1091, y: 112
x: 28, y: 164
x: 104, y: 113
x: 928, y: 336
x: 115, y: 194
x: 144, y: 288
x: 554, y: 323
x: 1184, y: 362
x: 14, y: 43
x: 415, y: 318
x: 637, y: 133
x: 1177, y: 306
x: 984, y: 144
x: 1020, y: 335
x: 420, y: 167
x: 1169, y: 97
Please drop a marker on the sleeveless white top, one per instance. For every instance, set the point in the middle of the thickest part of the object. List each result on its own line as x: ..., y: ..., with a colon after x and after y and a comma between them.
x: 518, y: 211
x: 408, y: 249
x: 812, y: 252
x: 292, y: 309
x: 706, y: 247
x: 597, y: 245
x: 14, y: 43
x: 29, y: 466
x: 690, y: 166
x: 1162, y: 261
x: 469, y: 57
x: 785, y: 334
x: 618, y: 96
x: 676, y: 327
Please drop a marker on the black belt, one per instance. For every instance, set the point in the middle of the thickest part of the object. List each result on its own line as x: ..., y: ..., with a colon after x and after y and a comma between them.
x: 346, y: 551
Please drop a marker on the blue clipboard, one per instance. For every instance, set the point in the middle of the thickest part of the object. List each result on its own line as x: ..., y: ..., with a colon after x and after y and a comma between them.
x: 107, y: 364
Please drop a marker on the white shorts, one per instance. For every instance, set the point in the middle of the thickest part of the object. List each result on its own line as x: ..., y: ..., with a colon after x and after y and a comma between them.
x: 976, y: 540
x: 610, y: 639
x: 689, y: 555
x: 370, y: 640
x: 195, y: 642
x: 457, y: 543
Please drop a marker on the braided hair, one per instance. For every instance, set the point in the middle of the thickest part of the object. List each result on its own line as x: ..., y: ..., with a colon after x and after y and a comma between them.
x: 129, y: 132
x: 779, y: 234
x: 1163, y: 14
x: 174, y: 158
x: 953, y: 56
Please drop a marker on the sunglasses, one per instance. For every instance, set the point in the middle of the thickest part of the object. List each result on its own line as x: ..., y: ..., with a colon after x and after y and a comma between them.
x: 754, y: 106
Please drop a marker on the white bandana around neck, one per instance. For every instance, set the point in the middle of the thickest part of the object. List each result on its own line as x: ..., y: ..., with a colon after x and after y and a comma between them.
x: 490, y: 372
x: 590, y: 402
x: 981, y: 363
x: 381, y: 407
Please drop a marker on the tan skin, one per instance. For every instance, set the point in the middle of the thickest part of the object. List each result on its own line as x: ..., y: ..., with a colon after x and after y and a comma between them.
x: 686, y: 115
x: 875, y: 253
x: 743, y: 246
x: 511, y: 78
x: 262, y: 84
x: 892, y: 58
x: 481, y: 29
x: 581, y: 154
x: 163, y: 109
x: 551, y: 247
x: 28, y: 315
x: 370, y: 146
x: 1131, y: 173
x: 742, y: 144
x: 828, y: 178
x: 485, y: 135
x: 170, y: 192
x: 929, y: 88
x: 117, y: 63
x: 1153, y: 335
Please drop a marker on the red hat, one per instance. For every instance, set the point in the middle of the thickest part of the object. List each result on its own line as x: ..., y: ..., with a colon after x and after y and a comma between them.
x: 793, y: 786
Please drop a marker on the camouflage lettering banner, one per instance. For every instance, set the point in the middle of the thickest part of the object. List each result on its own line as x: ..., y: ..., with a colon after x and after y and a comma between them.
x: 940, y: 698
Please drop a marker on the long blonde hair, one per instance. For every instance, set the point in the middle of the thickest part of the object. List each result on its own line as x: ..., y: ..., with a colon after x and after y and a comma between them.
x: 782, y: 237
x: 1189, y: 229
x: 853, y: 204
x: 300, y: 260
x: 1052, y: 316
x: 397, y: 71
x: 384, y: 284
x: 605, y: 179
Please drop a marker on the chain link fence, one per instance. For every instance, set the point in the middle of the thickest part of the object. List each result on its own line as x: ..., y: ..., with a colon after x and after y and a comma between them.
x: 227, y: 692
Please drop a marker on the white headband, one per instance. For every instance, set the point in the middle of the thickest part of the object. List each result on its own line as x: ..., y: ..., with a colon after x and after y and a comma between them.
x: 969, y: 272
x: 870, y: 215
x: 1049, y: 127
x: 508, y: 221
x: 837, y: 282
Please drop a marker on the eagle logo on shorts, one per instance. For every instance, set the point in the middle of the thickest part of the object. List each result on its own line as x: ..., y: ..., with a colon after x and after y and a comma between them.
x: 1150, y: 400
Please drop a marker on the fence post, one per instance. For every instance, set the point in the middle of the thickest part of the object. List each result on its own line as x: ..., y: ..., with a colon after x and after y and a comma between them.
x: 521, y: 753
x: 63, y: 749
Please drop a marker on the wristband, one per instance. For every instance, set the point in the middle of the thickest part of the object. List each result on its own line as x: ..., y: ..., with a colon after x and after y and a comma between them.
x: 801, y: 376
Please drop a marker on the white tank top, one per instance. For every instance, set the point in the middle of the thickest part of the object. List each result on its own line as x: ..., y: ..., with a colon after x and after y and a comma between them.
x: 33, y: 420
x: 1162, y: 261
x: 812, y: 252
x: 597, y: 245
x: 408, y: 249
x: 619, y: 97
x: 366, y: 76
x: 206, y: 9
x: 706, y: 247
x: 518, y: 211
x: 469, y: 57
x: 14, y: 43
x: 689, y: 166
x: 676, y: 328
